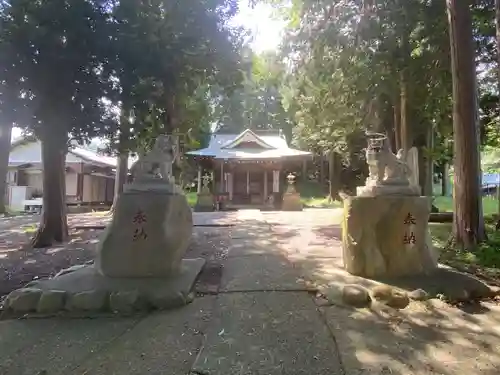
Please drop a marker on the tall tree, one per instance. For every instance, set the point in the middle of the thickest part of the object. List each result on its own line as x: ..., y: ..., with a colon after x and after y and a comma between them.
x: 468, y: 223
x: 52, y: 59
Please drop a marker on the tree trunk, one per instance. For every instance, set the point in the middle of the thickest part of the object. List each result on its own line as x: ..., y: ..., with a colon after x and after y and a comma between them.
x: 406, y: 134
x: 405, y: 130
x: 397, y: 123
x: 321, y: 170
x: 445, y: 181
x: 334, y: 176
x: 5, y: 135
x: 468, y: 223
x: 497, y: 26
x: 120, y: 177
x: 428, y: 182
x: 53, y: 223
x: 304, y: 171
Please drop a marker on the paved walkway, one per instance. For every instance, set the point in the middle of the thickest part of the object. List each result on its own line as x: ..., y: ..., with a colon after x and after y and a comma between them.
x: 260, y: 318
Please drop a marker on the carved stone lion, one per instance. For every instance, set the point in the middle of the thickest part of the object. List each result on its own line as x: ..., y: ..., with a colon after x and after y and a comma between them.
x: 157, y: 164
x: 384, y: 167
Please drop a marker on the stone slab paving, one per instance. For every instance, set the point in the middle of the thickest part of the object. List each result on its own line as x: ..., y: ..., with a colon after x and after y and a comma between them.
x: 423, y: 339
x: 245, y: 331
x: 268, y: 334
x: 54, y: 347
x: 163, y: 343
x: 260, y: 273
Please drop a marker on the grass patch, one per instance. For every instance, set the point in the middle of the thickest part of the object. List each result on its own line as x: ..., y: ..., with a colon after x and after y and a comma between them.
x: 484, y: 260
x: 311, y: 195
x: 445, y: 204
x: 319, y: 202
x: 191, y: 198
x: 30, y: 229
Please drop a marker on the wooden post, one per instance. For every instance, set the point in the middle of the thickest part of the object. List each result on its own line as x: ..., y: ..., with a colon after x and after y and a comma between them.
x: 248, y: 182
x: 276, y: 181
x: 230, y: 187
x: 265, y: 185
x: 199, y: 180
x: 222, y: 187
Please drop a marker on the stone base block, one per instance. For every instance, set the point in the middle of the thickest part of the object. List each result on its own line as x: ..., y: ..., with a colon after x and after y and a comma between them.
x: 205, y: 202
x: 291, y: 202
x: 147, y: 237
x: 84, y: 289
x: 387, y: 236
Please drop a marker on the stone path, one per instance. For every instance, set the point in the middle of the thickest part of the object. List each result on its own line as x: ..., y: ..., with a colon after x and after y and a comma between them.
x: 258, y: 317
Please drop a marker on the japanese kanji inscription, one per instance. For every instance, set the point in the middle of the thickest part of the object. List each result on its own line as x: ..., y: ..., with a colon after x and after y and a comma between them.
x: 409, y: 238
x: 140, y: 219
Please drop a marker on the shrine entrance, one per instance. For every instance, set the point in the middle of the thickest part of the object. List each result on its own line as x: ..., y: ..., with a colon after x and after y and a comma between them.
x: 247, y: 169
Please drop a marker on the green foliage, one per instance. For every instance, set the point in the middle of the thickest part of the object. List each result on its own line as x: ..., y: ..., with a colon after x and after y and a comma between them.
x: 484, y: 255
x: 126, y: 70
x: 168, y: 57
x: 258, y: 103
x: 51, y: 55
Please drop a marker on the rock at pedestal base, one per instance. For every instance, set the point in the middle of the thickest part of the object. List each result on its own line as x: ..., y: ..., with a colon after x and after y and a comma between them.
x: 291, y: 202
x: 87, y: 290
x: 387, y: 236
x: 148, y: 235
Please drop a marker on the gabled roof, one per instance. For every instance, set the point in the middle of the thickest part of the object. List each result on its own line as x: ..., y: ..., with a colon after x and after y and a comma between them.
x: 75, y: 154
x: 270, y: 146
x: 247, y: 136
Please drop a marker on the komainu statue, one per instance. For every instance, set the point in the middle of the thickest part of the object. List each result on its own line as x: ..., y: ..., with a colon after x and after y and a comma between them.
x: 157, y: 164
x: 153, y: 170
x: 388, y: 173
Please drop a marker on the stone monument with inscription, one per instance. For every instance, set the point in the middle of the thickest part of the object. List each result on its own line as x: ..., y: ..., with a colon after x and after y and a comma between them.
x: 139, y: 260
x: 385, y: 229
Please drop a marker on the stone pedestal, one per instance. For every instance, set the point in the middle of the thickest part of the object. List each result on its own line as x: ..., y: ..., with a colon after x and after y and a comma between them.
x: 387, y: 236
x: 139, y: 264
x: 291, y: 202
x: 205, y: 201
x: 291, y: 198
x: 148, y: 236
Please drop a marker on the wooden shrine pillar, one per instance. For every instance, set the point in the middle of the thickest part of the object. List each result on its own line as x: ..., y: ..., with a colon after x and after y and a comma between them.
x: 248, y: 182
x: 199, y: 180
x: 222, y: 185
x: 276, y: 181
x: 265, y: 185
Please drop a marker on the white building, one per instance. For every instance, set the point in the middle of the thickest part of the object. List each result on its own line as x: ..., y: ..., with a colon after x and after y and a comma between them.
x: 90, y: 177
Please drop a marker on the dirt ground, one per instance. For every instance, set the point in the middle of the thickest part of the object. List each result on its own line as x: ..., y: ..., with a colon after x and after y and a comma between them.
x: 20, y: 264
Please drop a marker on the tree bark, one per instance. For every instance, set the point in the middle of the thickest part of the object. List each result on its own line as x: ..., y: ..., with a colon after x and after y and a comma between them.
x: 445, y: 181
x: 304, y: 171
x: 397, y: 123
x: 120, y: 177
x: 405, y: 127
x: 334, y: 177
x: 497, y: 26
x: 321, y: 170
x: 5, y: 135
x: 428, y: 182
x: 468, y: 223
x: 53, y: 223
x: 406, y: 142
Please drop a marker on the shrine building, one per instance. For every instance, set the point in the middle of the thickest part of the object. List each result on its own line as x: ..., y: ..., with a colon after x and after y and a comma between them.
x: 248, y: 168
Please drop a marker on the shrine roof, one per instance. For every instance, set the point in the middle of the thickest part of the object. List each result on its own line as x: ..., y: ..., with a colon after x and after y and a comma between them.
x: 268, y: 146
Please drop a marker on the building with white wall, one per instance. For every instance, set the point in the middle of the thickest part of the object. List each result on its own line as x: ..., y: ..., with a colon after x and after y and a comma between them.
x: 90, y: 177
